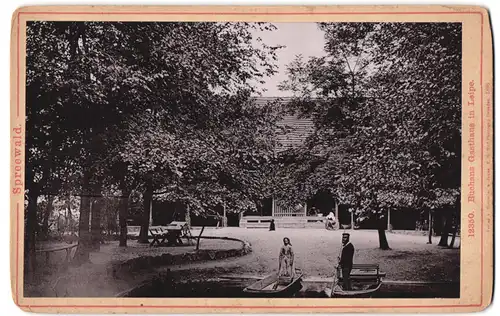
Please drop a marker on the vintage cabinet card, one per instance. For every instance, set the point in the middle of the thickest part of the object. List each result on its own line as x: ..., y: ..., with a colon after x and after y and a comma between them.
x: 251, y: 159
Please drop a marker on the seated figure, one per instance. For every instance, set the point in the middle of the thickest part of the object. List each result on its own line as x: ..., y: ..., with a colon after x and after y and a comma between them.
x: 330, y: 221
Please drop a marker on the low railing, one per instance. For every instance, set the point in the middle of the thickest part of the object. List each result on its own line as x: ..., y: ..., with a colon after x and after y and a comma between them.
x: 288, y: 221
x: 49, y: 250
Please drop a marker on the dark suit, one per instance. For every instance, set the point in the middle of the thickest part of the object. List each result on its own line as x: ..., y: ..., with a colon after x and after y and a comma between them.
x: 346, y: 259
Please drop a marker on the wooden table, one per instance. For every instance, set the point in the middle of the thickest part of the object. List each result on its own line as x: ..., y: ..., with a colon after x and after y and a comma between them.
x: 172, y: 236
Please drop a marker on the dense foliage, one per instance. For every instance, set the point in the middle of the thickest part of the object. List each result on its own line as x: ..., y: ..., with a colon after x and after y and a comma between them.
x: 117, y: 108
x: 386, y: 105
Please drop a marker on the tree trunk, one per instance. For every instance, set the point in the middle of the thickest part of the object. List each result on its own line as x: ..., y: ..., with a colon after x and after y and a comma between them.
x: 46, y: 215
x: 146, y: 206
x: 123, y: 219
x: 453, y: 237
x: 446, y: 229
x: 437, y: 223
x: 455, y: 222
x: 95, y: 224
x: 337, y: 221
x: 96, y: 214
x: 187, y: 217
x: 389, y: 226
x: 224, y: 218
x: 352, y: 219
x: 84, y: 237
x: 430, y: 227
x: 382, y: 238
x: 69, y: 218
x: 198, y: 240
x: 30, y: 231
x: 151, y: 223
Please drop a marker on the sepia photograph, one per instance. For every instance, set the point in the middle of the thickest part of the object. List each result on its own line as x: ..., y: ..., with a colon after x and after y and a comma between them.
x: 241, y: 159
x: 246, y: 159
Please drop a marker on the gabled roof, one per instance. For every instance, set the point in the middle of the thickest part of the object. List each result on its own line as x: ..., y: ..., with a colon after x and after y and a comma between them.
x: 297, y: 129
x: 265, y: 100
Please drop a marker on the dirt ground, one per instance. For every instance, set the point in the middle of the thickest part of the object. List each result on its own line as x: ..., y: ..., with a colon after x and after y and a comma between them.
x: 316, y: 252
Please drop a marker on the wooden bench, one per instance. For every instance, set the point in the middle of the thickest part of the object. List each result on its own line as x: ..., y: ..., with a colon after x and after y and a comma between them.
x: 363, y: 272
x: 159, y: 237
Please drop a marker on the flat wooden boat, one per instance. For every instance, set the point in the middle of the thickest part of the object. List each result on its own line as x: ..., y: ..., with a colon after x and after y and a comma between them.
x: 272, y: 285
x: 366, y: 279
x: 366, y: 290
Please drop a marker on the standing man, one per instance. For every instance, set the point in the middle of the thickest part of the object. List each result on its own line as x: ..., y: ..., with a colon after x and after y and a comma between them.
x: 345, y: 261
